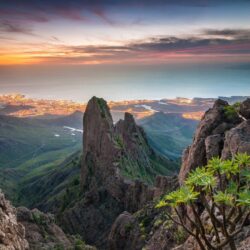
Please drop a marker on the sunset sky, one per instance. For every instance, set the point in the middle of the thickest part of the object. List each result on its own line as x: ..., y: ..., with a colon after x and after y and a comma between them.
x: 54, y: 33
x: 112, y: 31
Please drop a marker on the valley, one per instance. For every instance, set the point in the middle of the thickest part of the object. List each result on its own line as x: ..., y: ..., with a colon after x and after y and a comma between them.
x: 121, y: 166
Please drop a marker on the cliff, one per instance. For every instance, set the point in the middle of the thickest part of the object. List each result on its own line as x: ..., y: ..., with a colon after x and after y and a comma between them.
x: 219, y: 133
x: 12, y: 233
x: 21, y: 229
x: 118, y: 167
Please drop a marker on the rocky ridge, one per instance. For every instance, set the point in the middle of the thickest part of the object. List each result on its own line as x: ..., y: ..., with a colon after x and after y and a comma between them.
x: 21, y: 229
x: 115, y: 157
x: 218, y: 134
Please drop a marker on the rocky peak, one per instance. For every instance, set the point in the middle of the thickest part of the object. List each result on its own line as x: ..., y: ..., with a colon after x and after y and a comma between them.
x: 115, y: 157
x: 98, y: 125
x: 112, y: 151
x: 217, y: 135
x: 99, y: 149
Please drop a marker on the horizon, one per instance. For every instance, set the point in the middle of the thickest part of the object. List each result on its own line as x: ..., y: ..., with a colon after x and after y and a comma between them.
x: 181, y: 98
x: 117, y: 50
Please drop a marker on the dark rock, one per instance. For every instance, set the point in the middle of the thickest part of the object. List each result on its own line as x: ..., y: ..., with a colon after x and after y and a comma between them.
x: 214, y: 144
x: 214, y: 122
x: 41, y: 230
x: 165, y: 184
x: 120, y: 235
x: 114, y: 156
x: 245, y: 108
x: 237, y: 140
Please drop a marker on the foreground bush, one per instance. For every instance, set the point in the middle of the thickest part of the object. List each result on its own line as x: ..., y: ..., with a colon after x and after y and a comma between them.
x: 222, y: 187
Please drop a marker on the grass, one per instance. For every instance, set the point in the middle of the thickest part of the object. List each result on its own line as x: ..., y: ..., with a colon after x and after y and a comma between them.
x: 169, y: 134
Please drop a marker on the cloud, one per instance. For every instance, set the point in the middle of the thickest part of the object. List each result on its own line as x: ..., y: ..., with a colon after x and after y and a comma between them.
x: 229, y: 33
x: 14, y: 27
x: 103, y: 16
x: 171, y: 46
x: 153, y: 49
x: 46, y: 10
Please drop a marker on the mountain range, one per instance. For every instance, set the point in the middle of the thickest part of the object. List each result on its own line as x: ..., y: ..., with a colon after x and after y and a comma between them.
x: 105, y: 192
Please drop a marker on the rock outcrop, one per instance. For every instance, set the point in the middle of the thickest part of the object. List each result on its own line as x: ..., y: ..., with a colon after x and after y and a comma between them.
x: 148, y: 228
x: 12, y: 233
x: 21, y: 229
x: 115, y: 157
x: 222, y: 135
x: 41, y: 230
x: 237, y: 140
x: 245, y: 108
x: 218, y: 134
x: 209, y: 138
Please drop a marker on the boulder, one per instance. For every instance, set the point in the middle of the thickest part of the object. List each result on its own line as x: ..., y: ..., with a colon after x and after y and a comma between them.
x: 245, y: 108
x: 237, y: 140
x: 12, y: 232
x: 208, y: 138
x: 41, y: 230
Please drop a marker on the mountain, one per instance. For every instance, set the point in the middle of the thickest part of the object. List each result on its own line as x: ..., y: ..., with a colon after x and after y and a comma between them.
x: 209, y: 138
x: 24, y: 229
x: 107, y: 192
x: 116, y: 159
x: 168, y: 134
x: 29, y: 147
x: 117, y: 173
x: 23, y: 139
x: 218, y: 134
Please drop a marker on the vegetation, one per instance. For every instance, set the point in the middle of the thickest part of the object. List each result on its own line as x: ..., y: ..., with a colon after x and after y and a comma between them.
x: 103, y: 106
x: 232, y: 111
x: 168, y: 134
x: 223, y: 188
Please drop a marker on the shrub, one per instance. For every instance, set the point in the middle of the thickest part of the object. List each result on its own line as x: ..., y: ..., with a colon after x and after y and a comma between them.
x: 222, y: 186
x: 232, y: 111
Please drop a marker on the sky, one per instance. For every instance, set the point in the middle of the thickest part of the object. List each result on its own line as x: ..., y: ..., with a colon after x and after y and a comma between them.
x: 45, y: 44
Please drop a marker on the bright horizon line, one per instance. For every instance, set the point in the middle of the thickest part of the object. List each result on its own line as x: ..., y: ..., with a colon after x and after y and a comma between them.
x: 118, y: 101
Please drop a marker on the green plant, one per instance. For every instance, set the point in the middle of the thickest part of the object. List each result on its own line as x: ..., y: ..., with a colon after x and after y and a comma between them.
x: 232, y: 111
x: 119, y: 141
x: 222, y: 187
x: 38, y: 218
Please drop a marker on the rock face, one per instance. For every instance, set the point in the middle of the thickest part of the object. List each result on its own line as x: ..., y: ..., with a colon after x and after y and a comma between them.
x: 41, y: 230
x: 114, y: 157
x: 120, y: 237
x: 222, y: 136
x: 148, y: 229
x: 21, y: 229
x: 237, y: 140
x: 245, y: 108
x: 209, y: 138
x: 218, y: 134
x: 12, y: 233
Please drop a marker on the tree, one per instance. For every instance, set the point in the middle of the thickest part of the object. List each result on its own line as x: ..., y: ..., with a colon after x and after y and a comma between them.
x: 223, y: 188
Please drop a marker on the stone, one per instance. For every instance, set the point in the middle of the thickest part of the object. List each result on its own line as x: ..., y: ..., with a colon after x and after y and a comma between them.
x: 237, y: 140
x: 245, y: 108
x: 12, y: 233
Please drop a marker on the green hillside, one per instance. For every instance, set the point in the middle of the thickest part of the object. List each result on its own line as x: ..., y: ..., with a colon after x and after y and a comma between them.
x: 33, y: 141
x: 168, y: 134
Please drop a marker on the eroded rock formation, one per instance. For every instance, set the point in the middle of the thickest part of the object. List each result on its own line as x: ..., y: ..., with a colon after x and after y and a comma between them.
x: 12, y: 233
x: 114, y: 158
x: 209, y: 138
x: 41, y: 230
x: 218, y: 134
